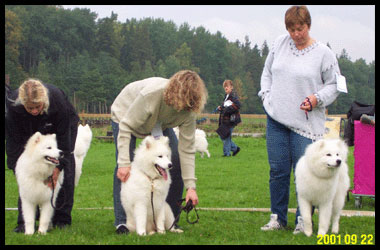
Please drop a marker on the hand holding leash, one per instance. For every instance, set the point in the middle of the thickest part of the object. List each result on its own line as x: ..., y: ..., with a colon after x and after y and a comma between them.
x: 308, y: 104
x: 54, y: 178
x: 191, y: 194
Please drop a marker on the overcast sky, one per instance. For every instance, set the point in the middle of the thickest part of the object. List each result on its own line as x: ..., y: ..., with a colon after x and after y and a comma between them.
x: 343, y: 26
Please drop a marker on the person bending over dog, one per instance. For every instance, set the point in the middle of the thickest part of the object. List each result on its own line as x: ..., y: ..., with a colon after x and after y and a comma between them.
x: 42, y: 107
x: 155, y: 106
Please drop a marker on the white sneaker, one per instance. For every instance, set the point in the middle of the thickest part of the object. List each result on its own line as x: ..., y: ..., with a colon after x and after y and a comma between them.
x: 273, y: 224
x: 299, y: 228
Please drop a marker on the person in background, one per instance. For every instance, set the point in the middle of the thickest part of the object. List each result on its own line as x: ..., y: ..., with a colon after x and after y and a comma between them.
x: 155, y: 106
x: 298, y: 82
x: 42, y: 107
x: 229, y: 117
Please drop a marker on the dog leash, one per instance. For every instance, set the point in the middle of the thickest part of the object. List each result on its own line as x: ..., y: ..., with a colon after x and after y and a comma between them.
x: 308, y: 123
x: 50, y: 178
x: 187, y: 208
x: 311, y: 107
x: 151, y: 202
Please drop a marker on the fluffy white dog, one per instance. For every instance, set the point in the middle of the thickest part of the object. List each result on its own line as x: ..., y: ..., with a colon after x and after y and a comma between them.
x: 149, y: 181
x: 201, y: 144
x: 322, y: 180
x: 33, y: 169
x: 82, y: 144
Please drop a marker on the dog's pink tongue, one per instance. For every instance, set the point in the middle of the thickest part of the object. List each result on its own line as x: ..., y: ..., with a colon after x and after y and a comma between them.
x: 163, y: 173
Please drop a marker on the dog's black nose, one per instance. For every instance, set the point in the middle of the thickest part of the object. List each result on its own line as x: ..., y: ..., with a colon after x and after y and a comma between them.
x: 170, y: 166
x: 338, y: 162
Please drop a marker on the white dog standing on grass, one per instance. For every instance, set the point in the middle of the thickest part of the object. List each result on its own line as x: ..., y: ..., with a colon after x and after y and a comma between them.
x: 82, y: 144
x: 201, y: 143
x: 149, y: 183
x: 33, y: 169
x: 322, y: 180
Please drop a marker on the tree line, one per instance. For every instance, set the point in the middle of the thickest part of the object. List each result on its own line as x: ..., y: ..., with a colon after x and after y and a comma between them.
x: 93, y: 59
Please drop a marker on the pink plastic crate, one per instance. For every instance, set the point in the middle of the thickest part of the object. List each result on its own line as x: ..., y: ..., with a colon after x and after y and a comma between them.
x: 364, y: 154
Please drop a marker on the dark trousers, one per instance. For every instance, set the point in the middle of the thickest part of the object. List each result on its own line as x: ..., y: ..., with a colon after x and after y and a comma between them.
x: 65, y: 198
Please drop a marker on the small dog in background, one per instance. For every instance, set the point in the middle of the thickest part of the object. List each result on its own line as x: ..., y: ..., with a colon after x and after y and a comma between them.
x: 33, y: 169
x: 201, y: 144
x: 322, y: 180
x: 82, y: 144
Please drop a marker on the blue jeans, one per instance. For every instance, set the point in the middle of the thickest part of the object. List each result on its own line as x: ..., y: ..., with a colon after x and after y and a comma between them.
x: 176, y: 187
x: 228, y: 145
x: 284, y: 148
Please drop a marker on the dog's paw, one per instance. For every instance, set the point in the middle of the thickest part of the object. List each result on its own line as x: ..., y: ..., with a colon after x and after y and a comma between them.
x: 176, y: 230
x: 308, y: 233
x: 42, y: 232
x: 161, y: 231
x: 321, y: 232
x: 141, y: 233
x: 151, y: 232
x: 29, y: 231
x: 335, y: 229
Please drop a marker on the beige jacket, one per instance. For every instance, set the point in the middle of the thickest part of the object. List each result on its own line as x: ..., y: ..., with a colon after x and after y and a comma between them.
x: 137, y: 109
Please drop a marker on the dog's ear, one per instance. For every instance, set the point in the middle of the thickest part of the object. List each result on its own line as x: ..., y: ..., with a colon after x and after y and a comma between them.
x: 37, y: 137
x: 148, y: 142
x: 320, y: 143
x: 343, y: 145
x: 165, y: 140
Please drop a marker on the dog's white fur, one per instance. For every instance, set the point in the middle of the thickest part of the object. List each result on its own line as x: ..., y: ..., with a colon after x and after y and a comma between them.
x: 82, y: 144
x: 322, y: 180
x: 135, y: 195
x: 201, y: 143
x: 32, y: 170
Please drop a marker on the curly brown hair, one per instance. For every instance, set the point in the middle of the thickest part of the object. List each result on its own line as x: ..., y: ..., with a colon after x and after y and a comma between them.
x: 186, y: 91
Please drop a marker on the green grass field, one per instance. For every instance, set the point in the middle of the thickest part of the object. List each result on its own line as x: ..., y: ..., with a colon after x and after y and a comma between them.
x: 234, y: 182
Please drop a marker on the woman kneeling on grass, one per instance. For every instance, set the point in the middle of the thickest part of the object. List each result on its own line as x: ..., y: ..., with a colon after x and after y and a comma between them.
x: 155, y: 106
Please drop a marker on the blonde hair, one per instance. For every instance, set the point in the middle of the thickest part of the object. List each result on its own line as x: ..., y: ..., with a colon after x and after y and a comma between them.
x: 186, y: 91
x: 33, y: 91
x: 228, y: 82
x: 297, y: 15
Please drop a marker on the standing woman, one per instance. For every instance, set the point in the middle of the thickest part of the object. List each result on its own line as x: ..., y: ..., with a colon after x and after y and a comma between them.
x: 155, y: 106
x: 44, y: 108
x: 298, y: 81
x: 229, y: 117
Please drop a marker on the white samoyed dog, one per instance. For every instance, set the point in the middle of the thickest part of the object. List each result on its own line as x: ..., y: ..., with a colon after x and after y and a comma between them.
x: 201, y: 144
x: 149, y: 177
x: 33, y: 169
x: 82, y: 144
x: 322, y: 180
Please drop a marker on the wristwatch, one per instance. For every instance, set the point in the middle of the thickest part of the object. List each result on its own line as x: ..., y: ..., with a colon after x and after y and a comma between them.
x: 318, y: 98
